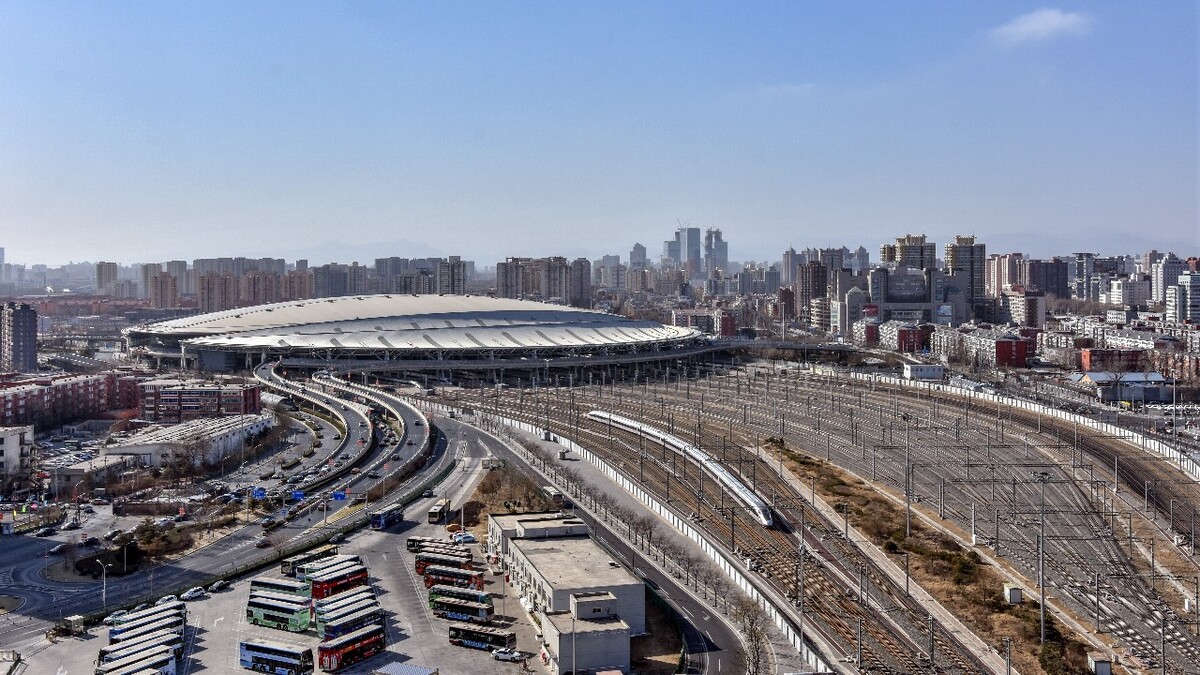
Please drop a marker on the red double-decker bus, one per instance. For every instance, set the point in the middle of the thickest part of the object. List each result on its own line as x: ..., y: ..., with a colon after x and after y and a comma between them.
x: 325, y: 585
x: 351, y: 648
x: 452, y: 576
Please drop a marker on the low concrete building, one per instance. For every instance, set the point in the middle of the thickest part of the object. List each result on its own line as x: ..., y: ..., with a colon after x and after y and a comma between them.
x: 589, y: 637
x: 83, y: 477
x: 16, y: 455
x: 547, y: 572
x: 198, y: 441
x: 503, y: 528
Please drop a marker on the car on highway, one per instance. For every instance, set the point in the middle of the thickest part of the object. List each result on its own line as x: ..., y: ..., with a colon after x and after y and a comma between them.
x: 507, y: 654
x: 262, y: 543
x: 193, y: 594
x: 373, y: 474
x: 427, y: 493
x: 417, y: 423
x: 268, y: 521
x: 344, y: 455
x: 338, y: 538
x: 356, y: 470
x: 395, y: 457
x: 112, y: 618
x: 410, y: 441
x: 59, y: 549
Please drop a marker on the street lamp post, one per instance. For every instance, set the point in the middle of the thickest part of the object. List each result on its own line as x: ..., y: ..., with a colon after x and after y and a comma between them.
x: 104, y: 584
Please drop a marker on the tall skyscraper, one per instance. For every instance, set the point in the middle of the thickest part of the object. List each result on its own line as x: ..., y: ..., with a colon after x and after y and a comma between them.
x: 217, y: 292
x: 999, y: 272
x: 716, y: 252
x: 164, y: 291
x: 791, y: 260
x: 637, y: 258
x: 18, y: 338
x: 106, y: 278
x: 967, y: 258
x: 1164, y: 273
x: 812, y: 280
x: 910, y: 251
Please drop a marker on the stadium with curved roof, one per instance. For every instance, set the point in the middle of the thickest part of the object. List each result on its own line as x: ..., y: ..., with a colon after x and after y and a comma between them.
x: 410, y: 332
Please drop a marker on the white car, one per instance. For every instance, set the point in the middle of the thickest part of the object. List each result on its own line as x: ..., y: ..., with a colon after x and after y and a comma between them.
x: 193, y: 594
x: 506, y: 654
x: 112, y: 618
x: 165, y: 599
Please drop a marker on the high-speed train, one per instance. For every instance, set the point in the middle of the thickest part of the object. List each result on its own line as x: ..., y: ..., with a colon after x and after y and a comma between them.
x: 757, y: 507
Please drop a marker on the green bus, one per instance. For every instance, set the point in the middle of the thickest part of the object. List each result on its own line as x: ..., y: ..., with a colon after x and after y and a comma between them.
x: 280, y: 615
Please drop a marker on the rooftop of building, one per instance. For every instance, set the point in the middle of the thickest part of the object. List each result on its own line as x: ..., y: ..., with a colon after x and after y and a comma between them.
x: 509, y: 521
x: 573, y: 562
x: 209, y: 427
x: 608, y: 624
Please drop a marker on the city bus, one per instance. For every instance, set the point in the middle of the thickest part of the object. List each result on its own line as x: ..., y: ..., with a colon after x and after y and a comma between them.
x: 273, y: 585
x: 424, y: 560
x: 280, y: 615
x: 461, y: 610
x: 344, y: 625
x: 460, y: 593
x: 275, y: 657
x: 481, y: 637
x: 448, y: 549
x: 159, y: 659
x: 174, y: 622
x: 555, y: 496
x: 452, y: 576
x: 344, y: 611
x: 350, y: 649
x: 120, y: 650
x: 335, y: 566
x: 166, y: 607
x: 285, y: 598
x: 440, y: 508
x: 288, y: 566
x: 326, y: 585
x: 414, y: 543
x: 308, y: 570
x: 386, y: 517
x: 349, y: 597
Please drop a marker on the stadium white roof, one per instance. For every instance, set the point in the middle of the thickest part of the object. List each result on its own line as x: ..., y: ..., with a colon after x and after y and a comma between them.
x: 412, y: 322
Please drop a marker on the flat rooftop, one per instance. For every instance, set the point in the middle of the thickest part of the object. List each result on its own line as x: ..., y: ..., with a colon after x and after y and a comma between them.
x: 508, y: 521
x: 608, y: 624
x: 573, y: 562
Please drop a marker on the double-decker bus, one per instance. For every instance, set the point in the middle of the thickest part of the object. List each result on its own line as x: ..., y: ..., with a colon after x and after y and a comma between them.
x: 555, y: 496
x: 462, y: 610
x: 440, y: 508
x: 325, y: 585
x: 469, y: 594
x: 159, y: 659
x: 424, y: 560
x: 273, y: 585
x: 344, y: 625
x: 481, y: 637
x: 281, y: 615
x: 176, y: 606
x: 289, y: 565
x: 285, y: 598
x: 344, y: 611
x: 352, y: 648
x: 452, y: 576
x: 349, y: 597
x: 447, y: 549
x: 309, y: 570
x: 173, y: 621
x: 386, y: 517
x: 120, y: 650
x: 275, y: 657
x: 338, y: 566
x: 414, y: 543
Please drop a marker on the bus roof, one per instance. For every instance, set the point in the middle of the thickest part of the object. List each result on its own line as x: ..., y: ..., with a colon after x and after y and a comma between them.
x: 350, y: 638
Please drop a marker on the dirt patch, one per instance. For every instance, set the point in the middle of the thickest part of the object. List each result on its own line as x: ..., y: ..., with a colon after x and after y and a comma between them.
x: 657, y: 652
x: 8, y: 603
x: 64, y: 571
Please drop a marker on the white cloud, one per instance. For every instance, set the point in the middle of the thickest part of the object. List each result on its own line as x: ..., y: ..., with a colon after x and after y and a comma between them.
x: 1040, y: 25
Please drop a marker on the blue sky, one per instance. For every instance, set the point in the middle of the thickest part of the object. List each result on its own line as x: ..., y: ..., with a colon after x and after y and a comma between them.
x: 337, y: 131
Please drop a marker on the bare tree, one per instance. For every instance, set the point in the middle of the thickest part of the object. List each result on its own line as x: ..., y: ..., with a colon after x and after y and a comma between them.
x: 753, y: 621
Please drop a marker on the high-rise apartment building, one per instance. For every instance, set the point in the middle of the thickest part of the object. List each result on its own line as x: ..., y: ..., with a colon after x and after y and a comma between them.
x: 217, y: 292
x: 18, y: 338
x: 791, y: 260
x: 1163, y: 273
x: 146, y: 274
x: 259, y: 287
x: 179, y: 269
x: 812, y: 281
x: 910, y: 251
x: 966, y: 258
x: 164, y: 291
x: 106, y: 278
x: 1051, y: 277
x: 1001, y: 271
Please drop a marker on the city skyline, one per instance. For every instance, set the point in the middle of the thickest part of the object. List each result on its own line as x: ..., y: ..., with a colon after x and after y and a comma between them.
x: 139, y: 133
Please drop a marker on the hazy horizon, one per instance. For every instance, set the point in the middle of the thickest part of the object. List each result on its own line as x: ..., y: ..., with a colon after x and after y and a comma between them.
x: 142, y: 132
